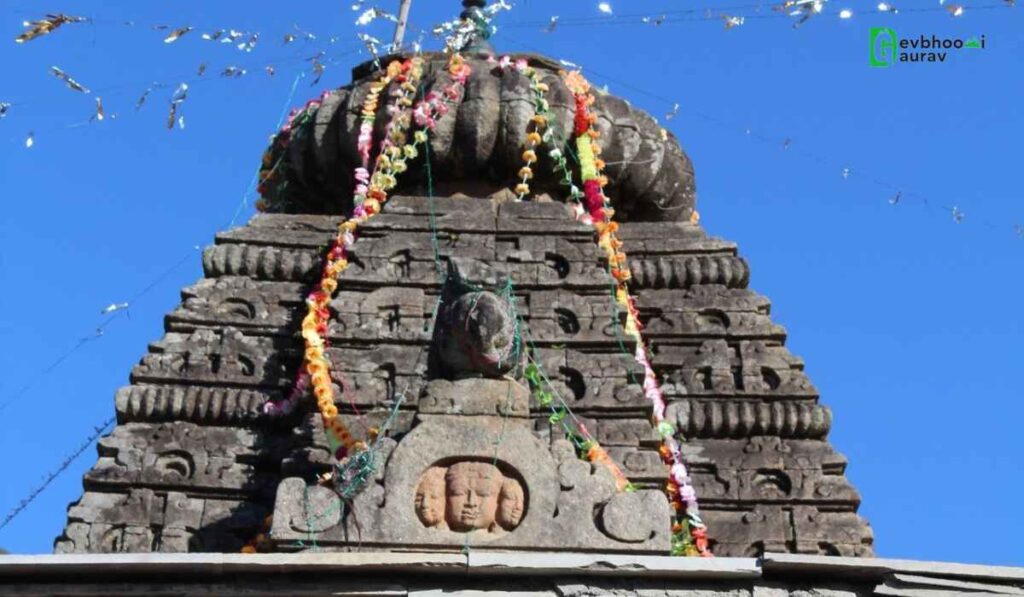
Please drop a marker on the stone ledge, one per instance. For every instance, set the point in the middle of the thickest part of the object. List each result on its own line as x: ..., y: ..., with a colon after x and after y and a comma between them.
x: 581, y: 564
x: 478, y: 563
x: 481, y: 572
x: 787, y: 566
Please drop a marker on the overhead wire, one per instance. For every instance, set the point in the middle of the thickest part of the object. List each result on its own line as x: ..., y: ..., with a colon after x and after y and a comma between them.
x: 896, y: 192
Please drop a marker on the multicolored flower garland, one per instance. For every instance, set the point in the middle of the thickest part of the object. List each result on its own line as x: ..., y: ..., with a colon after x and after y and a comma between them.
x: 371, y: 194
x: 689, y: 533
x: 270, y: 185
x: 586, y: 445
x: 541, y: 129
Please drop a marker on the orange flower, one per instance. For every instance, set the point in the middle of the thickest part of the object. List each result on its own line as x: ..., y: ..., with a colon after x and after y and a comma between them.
x: 317, y: 366
x: 329, y: 285
x: 323, y: 392
x: 329, y: 411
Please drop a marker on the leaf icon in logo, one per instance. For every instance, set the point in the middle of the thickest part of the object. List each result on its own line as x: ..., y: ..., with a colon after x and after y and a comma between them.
x: 973, y: 43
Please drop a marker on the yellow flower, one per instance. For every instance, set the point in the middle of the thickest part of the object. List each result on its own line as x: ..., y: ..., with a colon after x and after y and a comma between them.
x: 533, y: 139
x: 329, y: 285
x: 420, y: 136
x: 321, y: 379
x: 529, y: 156
x: 329, y: 411
x: 410, y: 152
x: 522, y: 189
x: 399, y: 166
x: 525, y: 173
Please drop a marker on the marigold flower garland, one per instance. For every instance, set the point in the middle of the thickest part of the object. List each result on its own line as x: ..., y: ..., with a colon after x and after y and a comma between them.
x: 371, y: 193
x: 689, y: 533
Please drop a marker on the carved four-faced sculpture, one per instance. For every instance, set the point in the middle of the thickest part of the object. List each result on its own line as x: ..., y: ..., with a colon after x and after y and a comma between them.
x: 469, y: 496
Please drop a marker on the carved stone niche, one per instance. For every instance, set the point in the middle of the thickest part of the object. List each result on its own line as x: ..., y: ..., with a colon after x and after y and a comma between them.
x: 472, y: 471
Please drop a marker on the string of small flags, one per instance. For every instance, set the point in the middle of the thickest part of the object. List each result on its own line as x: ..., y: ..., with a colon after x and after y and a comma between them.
x: 115, y: 309
x: 318, y: 65
x: 798, y: 11
x: 896, y: 193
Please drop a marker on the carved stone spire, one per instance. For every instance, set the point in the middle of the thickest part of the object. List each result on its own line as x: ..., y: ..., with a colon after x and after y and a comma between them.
x: 473, y: 11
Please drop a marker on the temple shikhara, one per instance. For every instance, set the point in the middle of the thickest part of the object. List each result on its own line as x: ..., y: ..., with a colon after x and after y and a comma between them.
x: 477, y: 340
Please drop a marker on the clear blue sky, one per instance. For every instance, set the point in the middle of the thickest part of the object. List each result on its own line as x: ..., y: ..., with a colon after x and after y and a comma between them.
x: 910, y: 323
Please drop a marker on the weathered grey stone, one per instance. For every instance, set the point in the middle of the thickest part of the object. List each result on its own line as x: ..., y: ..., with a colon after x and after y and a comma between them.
x: 481, y: 140
x: 192, y: 422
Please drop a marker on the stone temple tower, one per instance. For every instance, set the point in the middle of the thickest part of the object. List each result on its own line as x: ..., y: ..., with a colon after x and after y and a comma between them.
x: 455, y: 269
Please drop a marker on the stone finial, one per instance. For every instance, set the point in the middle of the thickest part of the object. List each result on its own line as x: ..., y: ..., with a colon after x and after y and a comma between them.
x: 472, y: 10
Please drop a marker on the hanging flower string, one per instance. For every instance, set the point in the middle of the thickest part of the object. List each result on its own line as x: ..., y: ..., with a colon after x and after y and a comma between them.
x: 271, y: 185
x: 541, y: 131
x: 689, y: 533
x: 586, y: 446
x: 371, y: 193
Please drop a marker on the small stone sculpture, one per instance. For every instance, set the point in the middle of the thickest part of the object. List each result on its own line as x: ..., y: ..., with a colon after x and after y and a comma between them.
x: 470, y: 496
x: 511, y: 504
x: 430, y: 498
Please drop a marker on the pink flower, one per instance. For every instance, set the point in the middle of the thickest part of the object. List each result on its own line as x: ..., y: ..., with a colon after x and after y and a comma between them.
x: 521, y: 64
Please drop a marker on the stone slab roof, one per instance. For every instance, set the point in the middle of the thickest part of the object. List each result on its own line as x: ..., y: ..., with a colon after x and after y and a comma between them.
x: 493, y: 573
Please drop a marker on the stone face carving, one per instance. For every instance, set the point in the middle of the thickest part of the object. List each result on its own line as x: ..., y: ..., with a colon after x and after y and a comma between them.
x: 467, y: 496
x: 431, y: 500
x: 471, y: 490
